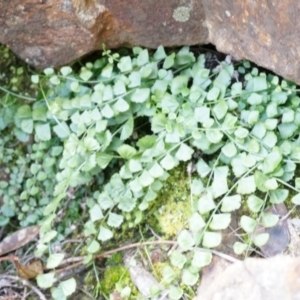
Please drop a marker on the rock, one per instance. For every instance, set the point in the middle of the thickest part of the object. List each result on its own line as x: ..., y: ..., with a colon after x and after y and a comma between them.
x: 261, y: 31
x: 275, y: 278
x: 55, y: 32
x: 209, y: 273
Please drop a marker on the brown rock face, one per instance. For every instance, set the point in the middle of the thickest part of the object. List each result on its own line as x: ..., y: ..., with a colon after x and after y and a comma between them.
x: 265, y: 32
x: 56, y: 32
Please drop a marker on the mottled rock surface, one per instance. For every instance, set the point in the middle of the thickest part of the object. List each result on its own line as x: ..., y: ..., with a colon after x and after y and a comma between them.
x: 276, y: 278
x: 56, y: 32
x: 265, y: 32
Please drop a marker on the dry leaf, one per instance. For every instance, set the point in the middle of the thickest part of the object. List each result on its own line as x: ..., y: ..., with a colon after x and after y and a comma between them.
x: 30, y: 271
x: 18, y: 239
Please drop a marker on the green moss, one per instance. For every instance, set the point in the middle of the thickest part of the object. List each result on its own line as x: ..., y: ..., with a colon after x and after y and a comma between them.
x: 173, y: 207
x: 115, y: 278
x: 116, y: 258
x: 159, y: 267
x: 173, y: 216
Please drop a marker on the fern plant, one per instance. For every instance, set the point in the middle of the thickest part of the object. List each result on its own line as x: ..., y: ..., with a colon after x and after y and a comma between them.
x: 123, y: 122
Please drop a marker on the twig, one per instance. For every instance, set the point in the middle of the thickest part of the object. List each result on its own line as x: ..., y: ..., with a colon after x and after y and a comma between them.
x: 86, y: 293
x: 59, y: 271
x: 72, y: 260
x: 10, y: 257
x: 135, y: 245
x: 283, y: 218
x: 24, y: 293
x: 107, y: 253
x: 220, y: 254
x: 26, y: 283
x: 71, y: 241
x: 70, y: 272
x: 154, y: 233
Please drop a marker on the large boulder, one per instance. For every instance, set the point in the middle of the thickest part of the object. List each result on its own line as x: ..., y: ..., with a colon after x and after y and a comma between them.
x: 55, y: 32
x: 276, y: 278
x: 265, y: 32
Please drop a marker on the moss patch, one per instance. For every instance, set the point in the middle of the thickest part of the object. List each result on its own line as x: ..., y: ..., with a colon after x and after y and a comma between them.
x: 116, y: 277
x: 174, y: 203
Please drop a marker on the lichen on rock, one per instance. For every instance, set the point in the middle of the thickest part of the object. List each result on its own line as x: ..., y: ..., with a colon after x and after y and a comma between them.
x: 182, y: 14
